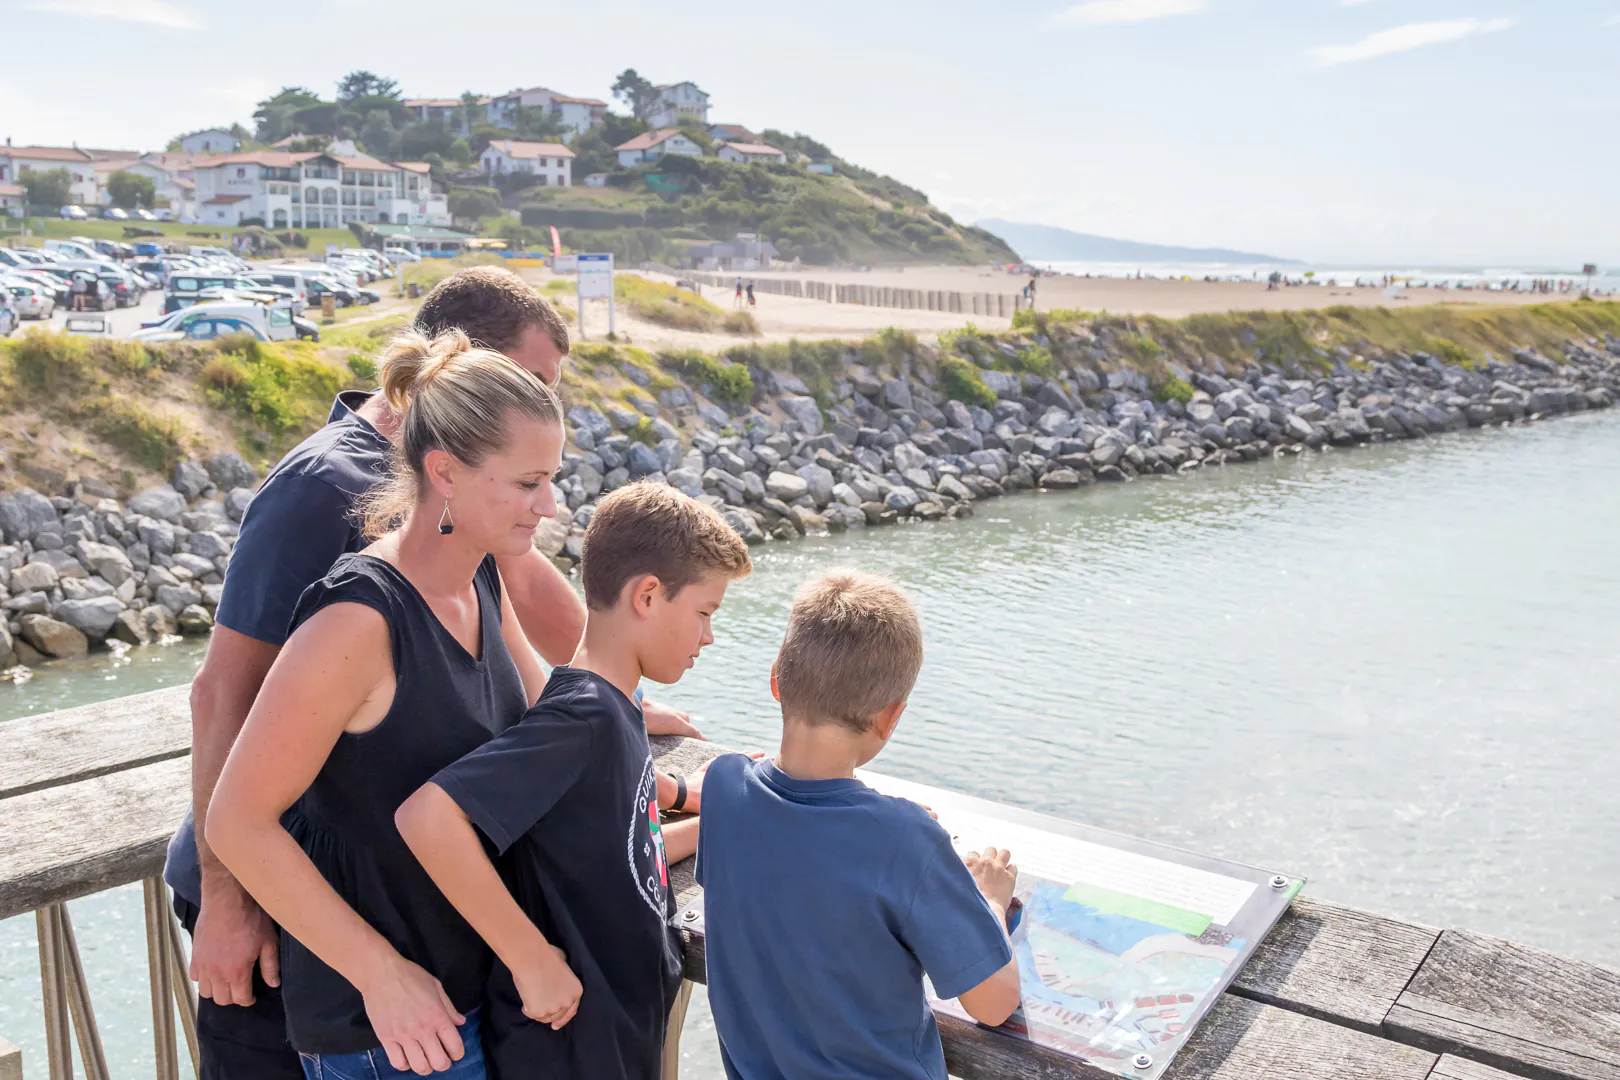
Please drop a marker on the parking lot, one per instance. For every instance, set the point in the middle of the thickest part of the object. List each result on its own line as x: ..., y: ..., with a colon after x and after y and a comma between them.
x: 122, y: 321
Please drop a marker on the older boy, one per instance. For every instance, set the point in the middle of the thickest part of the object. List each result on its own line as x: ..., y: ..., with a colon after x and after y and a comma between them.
x: 826, y: 902
x: 589, y: 968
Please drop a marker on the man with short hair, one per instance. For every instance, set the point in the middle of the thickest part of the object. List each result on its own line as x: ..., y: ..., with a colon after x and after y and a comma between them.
x: 298, y: 524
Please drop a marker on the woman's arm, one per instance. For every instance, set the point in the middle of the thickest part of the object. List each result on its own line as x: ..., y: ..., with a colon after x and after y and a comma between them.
x: 523, y: 654
x: 680, y: 839
x: 335, y: 666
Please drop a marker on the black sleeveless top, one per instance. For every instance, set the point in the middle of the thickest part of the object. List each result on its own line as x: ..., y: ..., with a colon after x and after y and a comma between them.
x: 446, y: 704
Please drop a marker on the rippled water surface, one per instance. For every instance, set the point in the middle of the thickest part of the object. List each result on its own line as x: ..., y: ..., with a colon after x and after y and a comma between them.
x: 1392, y: 671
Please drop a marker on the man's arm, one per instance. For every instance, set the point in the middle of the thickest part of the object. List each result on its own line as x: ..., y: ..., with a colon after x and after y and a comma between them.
x: 680, y: 839
x: 232, y: 933
x: 444, y: 841
x: 551, y: 613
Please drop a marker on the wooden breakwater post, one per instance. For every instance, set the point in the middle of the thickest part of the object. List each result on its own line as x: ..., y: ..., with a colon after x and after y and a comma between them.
x: 90, y: 796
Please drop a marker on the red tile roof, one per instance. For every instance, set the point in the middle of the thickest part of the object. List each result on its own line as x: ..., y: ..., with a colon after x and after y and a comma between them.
x: 756, y: 149
x: 414, y: 166
x: 47, y: 153
x: 11, y: 189
x: 648, y: 139
x: 220, y: 200
x: 433, y: 103
x: 524, y: 150
x: 579, y: 100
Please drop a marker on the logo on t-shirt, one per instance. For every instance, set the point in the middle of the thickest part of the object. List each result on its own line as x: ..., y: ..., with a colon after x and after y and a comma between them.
x: 647, y: 861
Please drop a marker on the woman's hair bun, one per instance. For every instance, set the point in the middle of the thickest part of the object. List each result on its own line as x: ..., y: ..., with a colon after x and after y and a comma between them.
x: 412, y: 362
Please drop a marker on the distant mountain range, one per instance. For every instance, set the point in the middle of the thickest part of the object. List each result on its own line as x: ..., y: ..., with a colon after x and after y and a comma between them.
x: 1046, y: 243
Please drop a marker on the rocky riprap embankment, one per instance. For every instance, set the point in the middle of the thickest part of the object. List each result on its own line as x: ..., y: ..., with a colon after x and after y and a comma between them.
x: 892, y: 446
x: 80, y: 569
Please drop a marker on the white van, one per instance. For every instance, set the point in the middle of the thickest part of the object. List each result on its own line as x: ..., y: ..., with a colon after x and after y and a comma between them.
x: 73, y: 249
x: 222, y: 318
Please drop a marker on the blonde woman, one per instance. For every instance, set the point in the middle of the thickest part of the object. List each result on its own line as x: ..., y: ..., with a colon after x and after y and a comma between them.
x: 403, y: 658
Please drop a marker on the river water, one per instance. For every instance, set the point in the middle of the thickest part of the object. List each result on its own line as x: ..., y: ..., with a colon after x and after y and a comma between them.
x: 1389, y: 670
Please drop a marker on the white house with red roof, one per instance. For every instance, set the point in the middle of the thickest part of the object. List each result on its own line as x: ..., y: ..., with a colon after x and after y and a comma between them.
x: 747, y: 153
x: 652, y: 145
x: 83, y: 185
x: 13, y: 200
x: 577, y: 114
x: 677, y: 102
x: 551, y: 163
x: 309, y: 190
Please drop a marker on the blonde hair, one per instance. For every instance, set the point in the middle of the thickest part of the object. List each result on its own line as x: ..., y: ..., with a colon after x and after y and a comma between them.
x: 647, y: 528
x: 451, y: 397
x: 853, y: 647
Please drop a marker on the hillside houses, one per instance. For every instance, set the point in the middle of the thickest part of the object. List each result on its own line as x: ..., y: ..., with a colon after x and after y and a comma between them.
x: 652, y: 145
x: 744, y: 153
x: 677, y: 102
x: 83, y: 184
x: 576, y: 113
x: 551, y: 163
x: 211, y: 141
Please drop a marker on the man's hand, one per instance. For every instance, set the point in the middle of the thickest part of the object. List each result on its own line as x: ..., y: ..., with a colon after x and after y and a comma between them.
x: 995, y: 876
x: 667, y: 720
x: 232, y: 934
x: 549, y: 988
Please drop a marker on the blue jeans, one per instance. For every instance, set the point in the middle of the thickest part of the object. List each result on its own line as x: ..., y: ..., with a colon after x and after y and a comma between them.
x: 374, y: 1065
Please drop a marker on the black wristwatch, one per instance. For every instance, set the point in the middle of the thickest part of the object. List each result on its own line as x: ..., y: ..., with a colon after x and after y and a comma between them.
x: 680, y: 792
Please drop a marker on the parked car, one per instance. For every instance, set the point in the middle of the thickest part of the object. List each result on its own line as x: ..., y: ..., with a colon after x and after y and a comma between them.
x: 221, y: 318
x: 291, y: 280
x: 13, y: 259
x: 74, y: 213
x: 143, y: 214
x: 401, y: 255
x: 74, y: 249
x: 113, y: 249
x: 32, y: 300
x: 307, y: 331
x: 58, y: 288
x: 115, y: 213
x: 148, y: 248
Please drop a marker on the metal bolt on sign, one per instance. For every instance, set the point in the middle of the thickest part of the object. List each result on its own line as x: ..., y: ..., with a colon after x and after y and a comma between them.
x: 1279, y: 882
x: 1143, y: 1061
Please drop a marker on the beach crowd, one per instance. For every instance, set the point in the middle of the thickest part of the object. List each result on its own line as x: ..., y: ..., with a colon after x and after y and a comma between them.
x: 411, y: 850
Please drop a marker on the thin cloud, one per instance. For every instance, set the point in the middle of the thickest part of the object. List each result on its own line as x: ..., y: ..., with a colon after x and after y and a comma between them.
x: 151, y: 12
x: 1612, y: 20
x: 1399, y: 39
x: 1098, y: 12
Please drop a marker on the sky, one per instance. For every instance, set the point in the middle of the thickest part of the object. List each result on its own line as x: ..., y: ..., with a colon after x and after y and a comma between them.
x: 1456, y: 132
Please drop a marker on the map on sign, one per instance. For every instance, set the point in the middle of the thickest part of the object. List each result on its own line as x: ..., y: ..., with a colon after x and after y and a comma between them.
x: 1122, y: 945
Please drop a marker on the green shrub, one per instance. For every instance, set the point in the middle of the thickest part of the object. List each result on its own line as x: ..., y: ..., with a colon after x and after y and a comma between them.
x: 277, y: 392
x: 888, y: 347
x: 740, y: 323
x: 1031, y: 360
x: 727, y: 381
x: 1175, y: 388
x: 158, y: 442
x: 1450, y: 352
x: 969, y: 341
x: 961, y: 381
x: 363, y: 367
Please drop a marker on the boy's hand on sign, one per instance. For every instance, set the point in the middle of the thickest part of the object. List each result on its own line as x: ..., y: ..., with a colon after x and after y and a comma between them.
x: 549, y: 988
x: 995, y: 874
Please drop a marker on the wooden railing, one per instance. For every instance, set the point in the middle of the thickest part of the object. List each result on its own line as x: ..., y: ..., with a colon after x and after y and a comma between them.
x: 89, y: 797
x: 997, y: 305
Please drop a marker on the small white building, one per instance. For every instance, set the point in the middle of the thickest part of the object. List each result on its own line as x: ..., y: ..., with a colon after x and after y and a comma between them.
x: 83, y: 185
x: 212, y: 141
x: 552, y: 163
x: 13, y: 200
x: 750, y: 153
x: 677, y: 102
x: 652, y: 145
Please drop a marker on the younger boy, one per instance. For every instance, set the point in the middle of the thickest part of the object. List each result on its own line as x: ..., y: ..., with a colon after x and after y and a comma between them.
x: 589, y: 968
x: 826, y: 902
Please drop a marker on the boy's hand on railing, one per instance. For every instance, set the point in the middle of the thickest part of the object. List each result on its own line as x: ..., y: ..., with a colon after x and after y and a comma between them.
x: 664, y: 719
x: 549, y: 988
x: 413, y: 1018
x: 232, y: 934
x: 996, y: 876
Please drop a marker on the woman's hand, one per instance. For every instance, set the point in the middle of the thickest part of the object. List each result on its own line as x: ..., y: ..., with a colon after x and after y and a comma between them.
x: 549, y: 988
x: 413, y: 1018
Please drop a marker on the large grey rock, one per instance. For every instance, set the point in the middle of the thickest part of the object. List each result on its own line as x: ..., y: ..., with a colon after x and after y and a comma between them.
x: 195, y: 620
x: 66, y: 565
x: 176, y: 598
x: 820, y: 481
x: 85, y: 588
x: 805, y: 411
x: 189, y: 479
x: 236, y: 502
x: 162, y: 503
x: 93, y: 617
x: 743, y: 523
x: 591, y: 420
x: 35, y: 575
x: 129, y: 627
x: 786, y: 486
x: 29, y: 603
x: 23, y: 513
x: 896, y: 394
x: 907, y: 456
x: 1004, y: 385
x: 105, y: 561
x: 1060, y: 478
x: 901, y: 499
x: 159, y: 621
x: 207, y: 545
x: 689, y: 481
x: 229, y: 471
x: 54, y: 638
x: 7, y: 652
x: 644, y: 460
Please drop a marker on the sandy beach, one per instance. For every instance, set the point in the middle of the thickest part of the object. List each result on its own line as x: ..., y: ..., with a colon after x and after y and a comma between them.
x: 783, y: 317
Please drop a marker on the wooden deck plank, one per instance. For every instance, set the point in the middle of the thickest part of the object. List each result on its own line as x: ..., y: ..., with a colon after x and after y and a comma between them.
x: 63, y: 842
x: 1513, y: 1007
x: 1336, y: 963
x: 93, y: 740
x: 1456, y: 1068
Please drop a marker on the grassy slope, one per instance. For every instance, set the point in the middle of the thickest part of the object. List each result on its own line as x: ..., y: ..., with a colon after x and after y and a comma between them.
x: 141, y: 409
x: 216, y: 235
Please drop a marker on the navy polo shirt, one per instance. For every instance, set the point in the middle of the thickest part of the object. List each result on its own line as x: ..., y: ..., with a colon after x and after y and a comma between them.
x: 295, y: 528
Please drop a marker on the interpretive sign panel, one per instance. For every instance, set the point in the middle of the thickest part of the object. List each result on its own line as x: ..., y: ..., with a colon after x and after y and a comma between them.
x: 564, y: 264
x: 595, y: 276
x: 1122, y: 944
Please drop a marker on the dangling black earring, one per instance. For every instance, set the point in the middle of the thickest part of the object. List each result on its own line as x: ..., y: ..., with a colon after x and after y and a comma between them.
x: 446, y: 525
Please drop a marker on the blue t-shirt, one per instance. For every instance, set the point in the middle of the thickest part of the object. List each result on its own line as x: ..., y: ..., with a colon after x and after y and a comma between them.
x: 825, y: 902
x: 295, y: 528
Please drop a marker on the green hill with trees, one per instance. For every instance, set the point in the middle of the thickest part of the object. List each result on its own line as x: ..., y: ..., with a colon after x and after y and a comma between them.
x: 841, y: 214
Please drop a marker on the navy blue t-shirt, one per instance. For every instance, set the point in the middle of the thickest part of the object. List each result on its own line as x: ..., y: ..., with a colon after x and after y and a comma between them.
x: 295, y: 528
x: 568, y: 799
x: 825, y: 902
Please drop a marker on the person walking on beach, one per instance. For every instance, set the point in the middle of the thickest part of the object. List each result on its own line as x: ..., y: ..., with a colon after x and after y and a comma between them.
x: 750, y: 294
x: 298, y: 524
x: 737, y: 301
x: 401, y: 659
